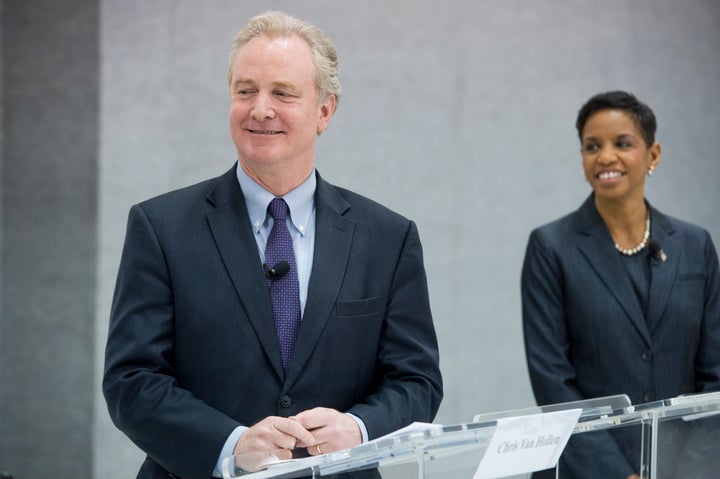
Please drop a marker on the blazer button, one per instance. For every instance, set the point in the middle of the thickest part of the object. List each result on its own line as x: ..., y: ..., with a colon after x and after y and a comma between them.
x: 285, y: 401
x: 647, y: 355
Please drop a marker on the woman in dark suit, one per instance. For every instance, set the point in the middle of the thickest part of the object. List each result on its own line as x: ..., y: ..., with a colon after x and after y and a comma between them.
x: 619, y: 298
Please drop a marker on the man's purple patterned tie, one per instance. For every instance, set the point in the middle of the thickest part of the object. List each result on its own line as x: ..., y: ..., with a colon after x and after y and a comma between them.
x: 284, y: 290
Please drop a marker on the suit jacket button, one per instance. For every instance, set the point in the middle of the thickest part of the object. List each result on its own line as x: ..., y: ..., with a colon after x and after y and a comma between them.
x: 647, y: 355
x: 285, y: 401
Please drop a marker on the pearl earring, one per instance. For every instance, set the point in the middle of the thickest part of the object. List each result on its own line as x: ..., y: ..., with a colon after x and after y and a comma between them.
x: 650, y: 170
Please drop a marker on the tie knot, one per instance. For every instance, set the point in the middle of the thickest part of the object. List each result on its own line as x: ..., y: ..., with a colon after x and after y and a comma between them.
x: 278, y: 209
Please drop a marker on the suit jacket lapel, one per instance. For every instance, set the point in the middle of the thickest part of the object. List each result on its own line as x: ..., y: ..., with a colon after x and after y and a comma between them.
x: 595, y: 243
x: 230, y: 226
x: 333, y: 239
x: 663, y: 273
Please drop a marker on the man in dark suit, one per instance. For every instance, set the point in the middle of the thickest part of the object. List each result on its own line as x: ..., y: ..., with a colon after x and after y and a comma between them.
x: 195, y: 371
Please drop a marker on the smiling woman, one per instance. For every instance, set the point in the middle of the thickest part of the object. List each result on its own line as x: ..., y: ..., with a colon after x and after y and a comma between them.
x: 617, y: 134
x: 616, y: 159
x: 607, y: 305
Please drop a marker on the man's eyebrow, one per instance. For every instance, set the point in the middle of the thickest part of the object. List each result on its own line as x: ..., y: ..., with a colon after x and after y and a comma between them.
x: 242, y: 81
x: 277, y: 84
x: 284, y: 85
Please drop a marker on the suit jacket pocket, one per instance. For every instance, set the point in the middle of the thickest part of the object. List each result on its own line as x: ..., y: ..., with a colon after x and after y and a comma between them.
x: 359, y: 307
x: 691, y: 277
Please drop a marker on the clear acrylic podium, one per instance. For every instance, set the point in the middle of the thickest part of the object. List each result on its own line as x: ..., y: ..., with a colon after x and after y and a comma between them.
x: 673, y: 438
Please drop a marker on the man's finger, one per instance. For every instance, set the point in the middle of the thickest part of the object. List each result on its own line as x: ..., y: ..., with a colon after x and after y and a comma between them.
x: 314, y: 418
x: 296, y: 430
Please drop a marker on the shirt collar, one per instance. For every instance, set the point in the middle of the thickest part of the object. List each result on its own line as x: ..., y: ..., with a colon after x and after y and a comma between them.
x: 300, y: 201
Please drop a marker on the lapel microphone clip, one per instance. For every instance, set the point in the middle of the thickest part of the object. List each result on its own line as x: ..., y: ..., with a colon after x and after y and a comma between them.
x: 656, y: 252
x: 277, y: 271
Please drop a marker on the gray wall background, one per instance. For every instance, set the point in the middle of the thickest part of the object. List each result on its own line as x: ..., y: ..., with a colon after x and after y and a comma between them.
x: 457, y: 114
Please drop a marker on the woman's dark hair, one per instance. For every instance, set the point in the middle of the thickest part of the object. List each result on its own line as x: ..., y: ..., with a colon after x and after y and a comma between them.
x: 641, y: 114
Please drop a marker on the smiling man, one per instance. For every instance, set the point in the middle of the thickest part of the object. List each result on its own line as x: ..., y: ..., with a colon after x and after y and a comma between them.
x: 267, y: 313
x: 276, y: 111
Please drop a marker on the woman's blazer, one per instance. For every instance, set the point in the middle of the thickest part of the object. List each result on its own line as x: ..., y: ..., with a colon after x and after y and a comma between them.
x: 586, y: 335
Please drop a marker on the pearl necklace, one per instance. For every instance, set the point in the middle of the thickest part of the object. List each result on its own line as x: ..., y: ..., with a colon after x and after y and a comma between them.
x: 643, y: 243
